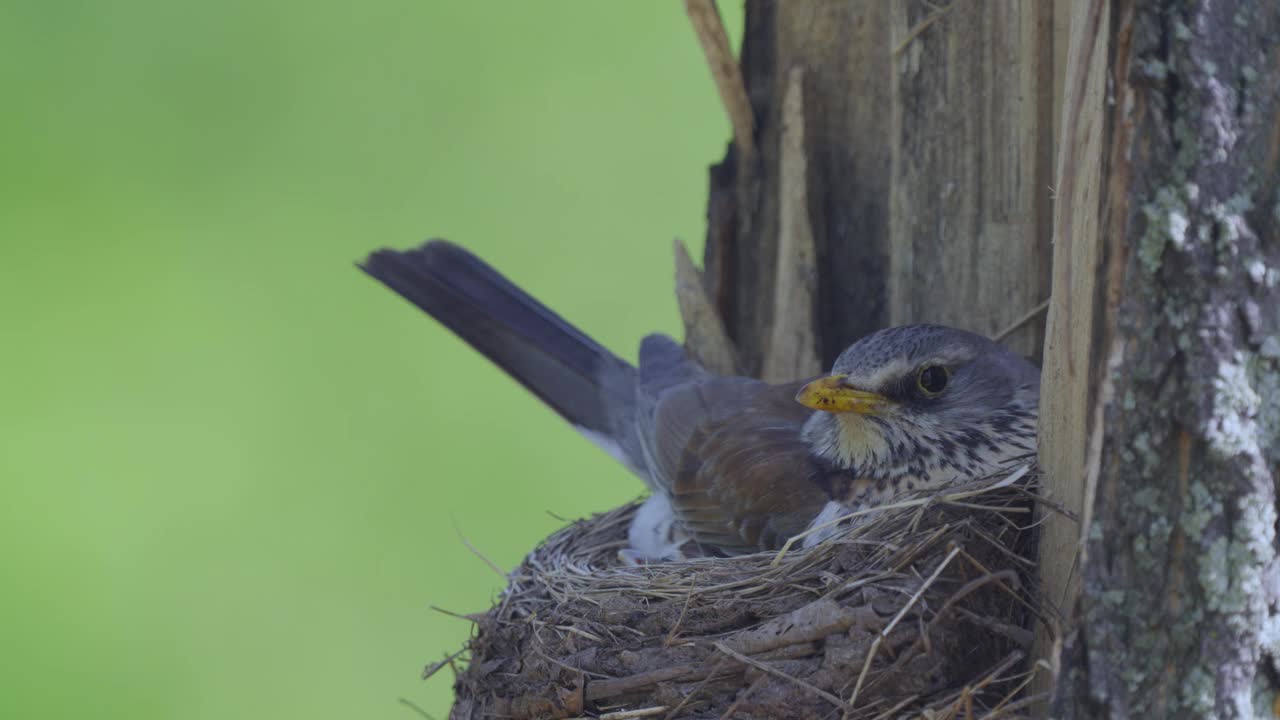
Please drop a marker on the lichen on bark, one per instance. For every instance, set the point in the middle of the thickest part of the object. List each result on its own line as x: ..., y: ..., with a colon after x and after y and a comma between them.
x: 1177, y: 605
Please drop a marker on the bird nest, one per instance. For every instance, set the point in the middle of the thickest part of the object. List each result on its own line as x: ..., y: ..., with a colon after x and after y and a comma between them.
x: 925, y: 607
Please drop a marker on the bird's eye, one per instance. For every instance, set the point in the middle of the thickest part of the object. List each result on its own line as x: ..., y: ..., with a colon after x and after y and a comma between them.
x: 932, y: 380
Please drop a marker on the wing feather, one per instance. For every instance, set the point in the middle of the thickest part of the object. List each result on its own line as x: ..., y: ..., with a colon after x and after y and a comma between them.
x: 729, y: 452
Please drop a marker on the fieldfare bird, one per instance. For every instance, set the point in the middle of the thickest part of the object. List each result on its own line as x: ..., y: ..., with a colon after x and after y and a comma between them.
x: 734, y: 464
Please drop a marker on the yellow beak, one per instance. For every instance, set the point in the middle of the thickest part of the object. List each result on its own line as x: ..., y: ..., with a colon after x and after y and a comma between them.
x: 830, y: 394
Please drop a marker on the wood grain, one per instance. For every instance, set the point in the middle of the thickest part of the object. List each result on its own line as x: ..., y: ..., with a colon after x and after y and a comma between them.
x: 792, y: 352
x: 1068, y: 373
x: 972, y: 154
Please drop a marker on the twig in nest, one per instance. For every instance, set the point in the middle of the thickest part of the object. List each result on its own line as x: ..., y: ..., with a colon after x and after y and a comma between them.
x: 922, y: 547
x: 1009, y: 661
x: 733, y: 708
x: 996, y: 577
x: 1008, y: 704
x: 725, y: 70
x: 891, y: 711
x: 1033, y: 609
x: 434, y: 668
x: 474, y: 551
x: 416, y: 708
x: 460, y: 616
x: 696, y: 689
x: 778, y: 674
x: 975, y: 506
x: 1008, y: 480
x: 1028, y: 701
x: 875, y: 646
x: 601, y: 689
x: 1027, y: 317
x: 628, y: 714
x: 572, y: 670
x: 671, y: 636
x: 808, y: 623
x: 1013, y: 632
x: 579, y: 632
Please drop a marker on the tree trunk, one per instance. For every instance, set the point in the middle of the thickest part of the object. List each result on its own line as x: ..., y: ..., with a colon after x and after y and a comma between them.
x: 1161, y: 378
x: 898, y: 166
x: 927, y: 158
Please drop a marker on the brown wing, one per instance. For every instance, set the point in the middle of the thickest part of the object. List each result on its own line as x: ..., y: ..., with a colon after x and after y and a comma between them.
x: 730, y: 453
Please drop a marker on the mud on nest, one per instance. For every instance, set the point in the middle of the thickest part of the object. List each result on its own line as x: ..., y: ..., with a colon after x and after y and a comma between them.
x: 921, y: 608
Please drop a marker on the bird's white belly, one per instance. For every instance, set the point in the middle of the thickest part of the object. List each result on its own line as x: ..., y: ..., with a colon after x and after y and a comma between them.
x: 654, y: 535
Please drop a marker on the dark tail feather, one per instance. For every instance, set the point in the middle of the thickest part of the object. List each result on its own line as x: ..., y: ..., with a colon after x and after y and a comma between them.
x: 588, y: 385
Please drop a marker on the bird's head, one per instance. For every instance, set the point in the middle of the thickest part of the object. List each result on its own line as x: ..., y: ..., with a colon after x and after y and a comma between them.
x: 924, y: 404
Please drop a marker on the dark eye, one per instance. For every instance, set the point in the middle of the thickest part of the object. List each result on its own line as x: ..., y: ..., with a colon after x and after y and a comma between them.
x: 933, y: 379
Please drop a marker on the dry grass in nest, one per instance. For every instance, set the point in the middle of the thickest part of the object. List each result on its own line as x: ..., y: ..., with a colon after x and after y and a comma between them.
x: 922, y: 608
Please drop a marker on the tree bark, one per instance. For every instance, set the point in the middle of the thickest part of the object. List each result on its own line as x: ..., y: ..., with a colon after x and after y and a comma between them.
x: 928, y: 140
x: 928, y: 134
x: 972, y: 149
x: 843, y: 51
x: 1162, y: 381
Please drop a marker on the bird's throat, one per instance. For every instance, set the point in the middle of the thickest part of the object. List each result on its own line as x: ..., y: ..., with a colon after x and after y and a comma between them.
x: 847, y: 440
x: 860, y: 442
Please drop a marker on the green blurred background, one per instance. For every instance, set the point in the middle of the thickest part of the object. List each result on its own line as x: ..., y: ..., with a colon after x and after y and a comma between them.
x: 234, y: 472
